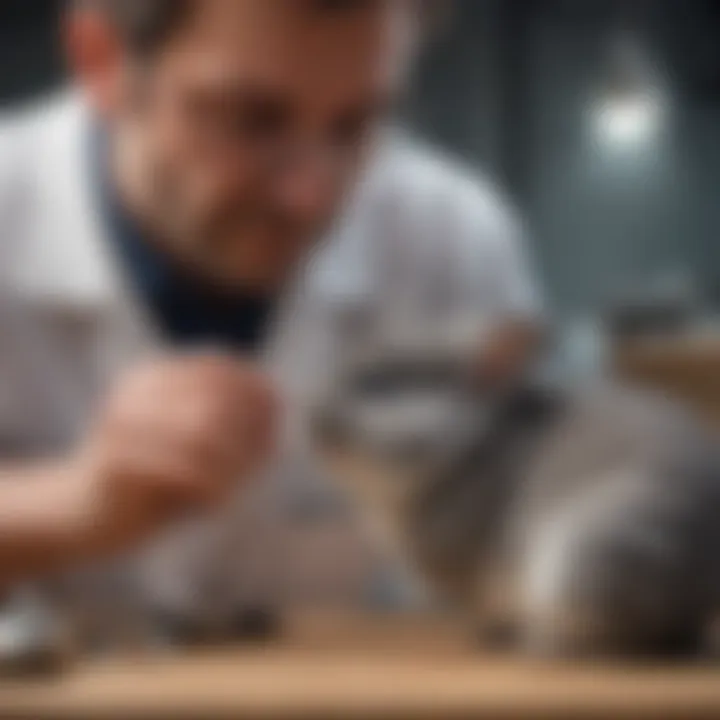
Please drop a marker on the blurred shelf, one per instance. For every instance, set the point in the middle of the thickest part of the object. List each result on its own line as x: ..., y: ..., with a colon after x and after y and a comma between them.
x: 686, y: 366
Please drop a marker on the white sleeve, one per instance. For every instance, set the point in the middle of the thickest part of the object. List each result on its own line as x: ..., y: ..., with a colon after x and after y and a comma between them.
x: 517, y: 291
x: 499, y: 270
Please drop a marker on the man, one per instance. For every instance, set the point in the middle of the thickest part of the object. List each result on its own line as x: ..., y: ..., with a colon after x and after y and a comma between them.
x: 220, y: 184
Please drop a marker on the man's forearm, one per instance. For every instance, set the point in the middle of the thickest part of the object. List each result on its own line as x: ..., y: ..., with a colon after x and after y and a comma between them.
x: 44, y: 525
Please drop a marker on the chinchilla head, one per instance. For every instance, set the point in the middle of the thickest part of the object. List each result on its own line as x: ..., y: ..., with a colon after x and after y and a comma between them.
x: 398, y: 411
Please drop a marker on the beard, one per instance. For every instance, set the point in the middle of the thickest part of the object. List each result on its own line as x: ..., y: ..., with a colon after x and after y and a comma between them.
x: 239, y: 240
x: 241, y: 248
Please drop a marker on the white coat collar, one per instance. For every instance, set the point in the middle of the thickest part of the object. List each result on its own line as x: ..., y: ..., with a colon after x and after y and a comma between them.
x: 64, y: 260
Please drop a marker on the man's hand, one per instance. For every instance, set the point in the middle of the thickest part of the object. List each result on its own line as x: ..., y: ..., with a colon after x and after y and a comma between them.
x: 174, y: 437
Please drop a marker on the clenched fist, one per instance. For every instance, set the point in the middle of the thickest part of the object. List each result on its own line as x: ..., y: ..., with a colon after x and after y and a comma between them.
x: 174, y: 437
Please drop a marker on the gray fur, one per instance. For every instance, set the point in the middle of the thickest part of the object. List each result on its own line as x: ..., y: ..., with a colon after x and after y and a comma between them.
x: 587, y: 521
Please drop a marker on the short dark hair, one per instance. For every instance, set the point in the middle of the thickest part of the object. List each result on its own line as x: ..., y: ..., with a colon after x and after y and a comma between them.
x: 146, y: 24
x: 143, y: 24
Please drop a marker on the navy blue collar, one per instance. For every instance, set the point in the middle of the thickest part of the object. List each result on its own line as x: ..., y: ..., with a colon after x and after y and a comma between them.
x: 186, y: 312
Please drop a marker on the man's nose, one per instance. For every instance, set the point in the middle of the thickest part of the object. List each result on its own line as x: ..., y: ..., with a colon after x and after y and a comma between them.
x: 306, y: 186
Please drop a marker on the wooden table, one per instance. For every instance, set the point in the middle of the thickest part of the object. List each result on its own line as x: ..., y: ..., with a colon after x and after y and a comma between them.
x: 686, y: 366
x: 365, y: 668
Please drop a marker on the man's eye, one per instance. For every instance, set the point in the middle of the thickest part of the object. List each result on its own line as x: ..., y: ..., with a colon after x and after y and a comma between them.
x: 259, y: 122
x: 243, y: 118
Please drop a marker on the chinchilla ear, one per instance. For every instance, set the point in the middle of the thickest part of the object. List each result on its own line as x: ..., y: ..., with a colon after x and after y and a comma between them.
x: 356, y: 334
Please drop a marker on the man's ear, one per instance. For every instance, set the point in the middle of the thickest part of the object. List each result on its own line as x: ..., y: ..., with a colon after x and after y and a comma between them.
x: 95, y: 56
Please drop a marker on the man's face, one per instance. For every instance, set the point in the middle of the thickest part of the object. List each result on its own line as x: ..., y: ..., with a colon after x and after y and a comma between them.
x: 241, y: 135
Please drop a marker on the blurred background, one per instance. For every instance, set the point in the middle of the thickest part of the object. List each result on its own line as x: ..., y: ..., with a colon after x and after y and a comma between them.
x: 601, y: 118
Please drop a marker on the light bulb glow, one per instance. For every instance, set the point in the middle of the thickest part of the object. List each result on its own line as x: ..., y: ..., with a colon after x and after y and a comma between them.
x: 628, y: 121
